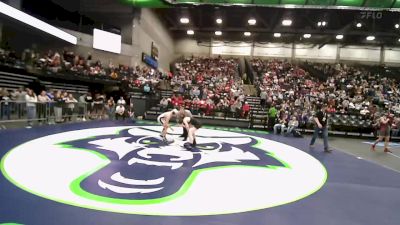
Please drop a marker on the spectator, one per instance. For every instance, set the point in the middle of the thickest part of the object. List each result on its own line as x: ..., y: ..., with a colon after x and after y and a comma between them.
x: 5, y: 105
x: 131, y: 112
x: 82, y: 104
x: 89, y: 104
x: 64, y: 105
x: 272, y: 113
x: 31, y: 101
x: 59, y: 103
x: 396, y: 127
x: 292, y: 125
x: 146, y: 89
x: 98, y: 106
x: 282, y: 123
x: 263, y: 99
x: 121, y: 101
x: 43, y: 100
x: 120, y: 112
x: 111, y: 107
x: 164, y: 104
x: 71, y: 101
x: 21, y: 99
x: 245, y: 110
x: 364, y: 111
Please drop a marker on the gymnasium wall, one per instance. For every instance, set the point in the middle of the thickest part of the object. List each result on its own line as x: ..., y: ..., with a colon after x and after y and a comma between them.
x: 392, y: 55
x: 189, y: 47
x: 275, y: 50
x: 329, y: 53
x: 147, y: 28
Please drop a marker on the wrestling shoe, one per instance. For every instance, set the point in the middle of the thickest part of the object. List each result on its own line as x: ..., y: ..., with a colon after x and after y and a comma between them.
x: 387, y: 150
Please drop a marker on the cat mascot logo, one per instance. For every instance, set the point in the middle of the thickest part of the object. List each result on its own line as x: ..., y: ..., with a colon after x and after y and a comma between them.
x: 131, y: 170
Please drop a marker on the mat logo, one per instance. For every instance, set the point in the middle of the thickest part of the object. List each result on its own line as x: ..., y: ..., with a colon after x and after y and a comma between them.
x: 145, y: 167
x: 130, y: 170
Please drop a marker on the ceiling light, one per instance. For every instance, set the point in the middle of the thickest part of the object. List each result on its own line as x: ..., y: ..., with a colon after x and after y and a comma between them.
x: 339, y: 36
x: 32, y: 21
x: 359, y: 25
x: 190, y: 32
x: 290, y: 6
x: 399, y: 39
x: 323, y: 23
x: 370, y: 38
x: 397, y: 26
x: 286, y: 22
x: 252, y: 21
x: 307, y: 35
x: 184, y: 20
x: 277, y: 35
x: 247, y: 34
x: 319, y: 23
x: 218, y: 33
x: 219, y: 20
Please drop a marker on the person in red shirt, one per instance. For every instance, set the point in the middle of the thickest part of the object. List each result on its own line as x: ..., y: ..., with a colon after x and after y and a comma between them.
x: 137, y: 83
x: 174, y: 100
x: 202, y: 106
x: 385, y: 122
x: 180, y: 100
x: 245, y: 110
x: 210, y: 108
x: 330, y: 109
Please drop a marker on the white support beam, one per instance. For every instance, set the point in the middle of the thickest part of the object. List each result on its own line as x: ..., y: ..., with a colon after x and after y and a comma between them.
x: 32, y: 21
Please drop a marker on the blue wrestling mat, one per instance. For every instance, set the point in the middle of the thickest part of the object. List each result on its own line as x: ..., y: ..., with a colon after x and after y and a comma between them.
x: 104, y: 173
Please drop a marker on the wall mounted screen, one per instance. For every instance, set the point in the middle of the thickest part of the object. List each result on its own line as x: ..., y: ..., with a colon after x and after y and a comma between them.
x: 106, y: 41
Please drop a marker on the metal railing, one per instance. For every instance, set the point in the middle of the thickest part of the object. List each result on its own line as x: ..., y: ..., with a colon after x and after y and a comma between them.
x: 33, y: 113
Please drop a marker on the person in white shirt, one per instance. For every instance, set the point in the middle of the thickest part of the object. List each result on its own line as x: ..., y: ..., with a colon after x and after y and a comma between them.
x: 31, y: 101
x: 364, y: 111
x: 292, y: 125
x: 263, y: 98
x: 71, y: 101
x: 164, y: 104
x: 121, y: 101
x: 43, y: 99
x: 120, y: 112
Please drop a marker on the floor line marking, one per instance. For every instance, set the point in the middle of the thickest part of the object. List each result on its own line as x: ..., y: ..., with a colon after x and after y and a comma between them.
x: 394, y: 155
x: 368, y: 160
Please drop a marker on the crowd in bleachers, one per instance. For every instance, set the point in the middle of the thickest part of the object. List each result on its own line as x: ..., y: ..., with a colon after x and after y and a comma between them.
x: 208, y: 86
x: 213, y: 86
x: 345, y: 90
x: 360, y: 90
x: 68, y: 62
